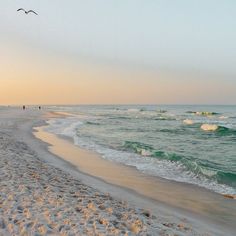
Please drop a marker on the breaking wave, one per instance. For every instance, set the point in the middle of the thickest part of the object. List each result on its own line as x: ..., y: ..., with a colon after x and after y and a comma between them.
x: 196, y: 167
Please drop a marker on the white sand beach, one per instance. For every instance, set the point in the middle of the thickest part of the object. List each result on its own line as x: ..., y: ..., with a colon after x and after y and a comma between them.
x: 42, y: 194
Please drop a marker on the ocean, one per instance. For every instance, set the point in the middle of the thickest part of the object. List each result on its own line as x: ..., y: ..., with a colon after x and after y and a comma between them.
x: 191, y: 144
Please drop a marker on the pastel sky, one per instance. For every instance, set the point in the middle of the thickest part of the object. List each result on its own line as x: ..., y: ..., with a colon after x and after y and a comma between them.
x: 118, y: 51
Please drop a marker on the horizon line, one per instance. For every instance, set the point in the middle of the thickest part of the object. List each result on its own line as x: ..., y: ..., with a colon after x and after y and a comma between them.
x: 121, y: 104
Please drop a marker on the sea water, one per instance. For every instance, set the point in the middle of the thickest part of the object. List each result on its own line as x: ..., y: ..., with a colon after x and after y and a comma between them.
x: 192, y: 144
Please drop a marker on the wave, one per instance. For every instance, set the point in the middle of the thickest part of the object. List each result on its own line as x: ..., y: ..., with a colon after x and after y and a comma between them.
x: 176, y: 131
x: 143, y: 109
x: 209, y: 127
x: 148, y: 150
x: 163, y: 118
x: 188, y: 122
x: 145, y: 115
x: 151, y: 161
x: 137, y: 147
x: 198, y: 168
x: 63, y: 126
x: 226, y: 178
x: 225, y: 131
x: 223, y: 117
x: 218, y: 129
x: 120, y: 117
x: 92, y: 123
x: 203, y: 113
x: 206, y: 113
x: 162, y: 111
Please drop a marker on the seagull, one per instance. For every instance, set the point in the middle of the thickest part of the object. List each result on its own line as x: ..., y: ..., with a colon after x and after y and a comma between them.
x: 27, y: 12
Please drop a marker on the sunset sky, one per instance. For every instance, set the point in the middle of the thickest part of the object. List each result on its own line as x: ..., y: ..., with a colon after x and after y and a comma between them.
x: 118, y: 51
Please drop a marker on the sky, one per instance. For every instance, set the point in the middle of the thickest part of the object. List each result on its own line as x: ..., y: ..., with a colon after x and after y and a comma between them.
x: 118, y: 52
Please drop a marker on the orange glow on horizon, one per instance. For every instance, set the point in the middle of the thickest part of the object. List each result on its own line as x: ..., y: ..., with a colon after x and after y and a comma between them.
x: 32, y: 78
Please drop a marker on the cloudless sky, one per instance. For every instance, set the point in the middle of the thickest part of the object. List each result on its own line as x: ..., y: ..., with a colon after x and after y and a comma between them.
x: 118, y: 51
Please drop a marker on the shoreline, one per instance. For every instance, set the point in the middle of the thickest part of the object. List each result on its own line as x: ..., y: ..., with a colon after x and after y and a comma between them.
x: 118, y: 174
x: 198, y: 204
x: 213, y: 184
x: 16, y: 133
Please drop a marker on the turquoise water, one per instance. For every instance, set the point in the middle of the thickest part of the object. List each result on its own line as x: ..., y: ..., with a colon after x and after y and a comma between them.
x: 165, y: 141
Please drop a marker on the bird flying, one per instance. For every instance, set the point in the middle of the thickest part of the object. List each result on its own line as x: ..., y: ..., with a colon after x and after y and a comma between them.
x: 27, y: 12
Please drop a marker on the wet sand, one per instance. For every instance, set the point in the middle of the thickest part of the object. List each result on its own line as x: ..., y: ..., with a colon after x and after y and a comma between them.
x: 213, y: 206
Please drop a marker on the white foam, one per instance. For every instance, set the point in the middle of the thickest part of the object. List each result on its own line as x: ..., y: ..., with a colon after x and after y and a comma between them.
x: 209, y: 127
x: 155, y: 167
x: 142, y: 161
x: 145, y: 153
x: 223, y: 117
x: 188, y: 122
x: 64, y: 126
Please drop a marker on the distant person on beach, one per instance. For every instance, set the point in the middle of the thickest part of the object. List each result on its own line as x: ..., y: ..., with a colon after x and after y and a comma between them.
x: 23, y: 107
x: 39, y: 107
